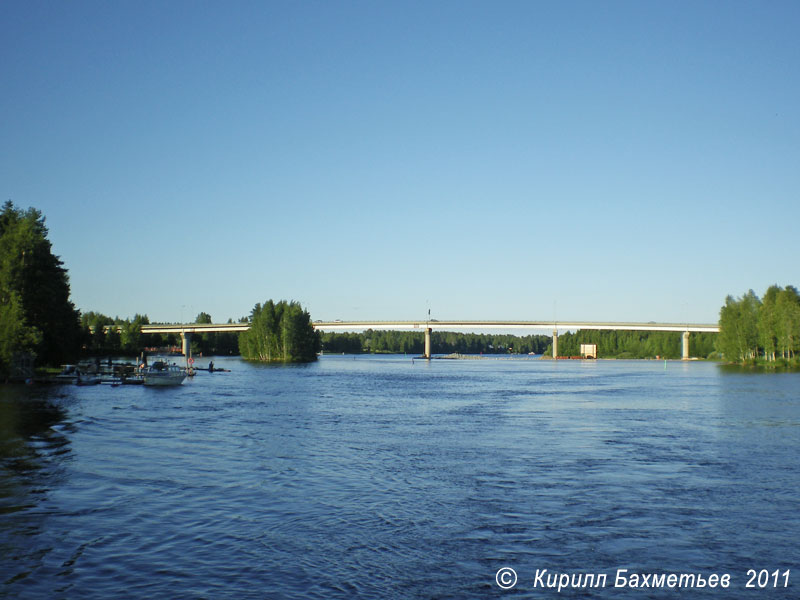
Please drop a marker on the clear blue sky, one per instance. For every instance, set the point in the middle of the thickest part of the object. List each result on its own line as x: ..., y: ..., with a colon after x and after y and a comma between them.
x: 488, y: 160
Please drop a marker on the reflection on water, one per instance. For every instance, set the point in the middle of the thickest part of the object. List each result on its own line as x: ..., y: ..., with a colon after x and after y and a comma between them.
x: 29, y: 441
x: 32, y: 451
x: 378, y: 477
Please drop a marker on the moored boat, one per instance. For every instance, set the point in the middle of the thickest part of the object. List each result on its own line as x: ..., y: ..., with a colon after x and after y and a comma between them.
x: 86, y: 379
x: 69, y: 373
x: 160, y: 373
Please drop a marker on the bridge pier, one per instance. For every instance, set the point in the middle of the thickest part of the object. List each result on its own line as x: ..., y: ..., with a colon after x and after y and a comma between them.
x: 427, y: 353
x: 555, y: 343
x: 186, y: 343
x: 685, y: 345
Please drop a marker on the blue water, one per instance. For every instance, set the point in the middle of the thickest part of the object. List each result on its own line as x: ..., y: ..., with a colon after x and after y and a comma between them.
x: 376, y: 477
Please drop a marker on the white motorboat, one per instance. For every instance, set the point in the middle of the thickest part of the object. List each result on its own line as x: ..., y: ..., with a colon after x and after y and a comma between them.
x: 160, y: 373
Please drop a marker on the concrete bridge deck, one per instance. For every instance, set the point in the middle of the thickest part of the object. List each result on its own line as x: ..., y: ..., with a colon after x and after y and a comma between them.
x: 187, y: 329
x: 543, y: 325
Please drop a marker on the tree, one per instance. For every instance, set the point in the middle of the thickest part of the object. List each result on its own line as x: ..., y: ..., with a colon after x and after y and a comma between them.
x: 787, y: 321
x: 131, y: 337
x: 751, y: 328
x: 94, y: 326
x: 738, y: 324
x: 34, y: 290
x: 228, y: 343
x: 280, y: 332
x: 15, y: 335
x: 204, y: 343
x: 767, y: 322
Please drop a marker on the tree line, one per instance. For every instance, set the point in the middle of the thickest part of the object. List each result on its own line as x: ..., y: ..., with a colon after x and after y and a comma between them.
x: 220, y: 343
x: 279, y: 332
x: 442, y: 342
x: 39, y: 322
x: 636, y: 344
x: 766, y: 330
x: 610, y: 344
x: 37, y: 318
x: 106, y: 336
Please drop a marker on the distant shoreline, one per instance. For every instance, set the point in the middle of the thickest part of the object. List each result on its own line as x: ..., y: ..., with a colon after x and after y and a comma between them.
x: 457, y: 356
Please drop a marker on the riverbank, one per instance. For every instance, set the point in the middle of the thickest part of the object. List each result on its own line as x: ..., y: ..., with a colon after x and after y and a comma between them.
x: 762, y: 366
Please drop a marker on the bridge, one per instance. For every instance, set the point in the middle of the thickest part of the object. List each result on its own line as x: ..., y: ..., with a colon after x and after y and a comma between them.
x: 186, y: 330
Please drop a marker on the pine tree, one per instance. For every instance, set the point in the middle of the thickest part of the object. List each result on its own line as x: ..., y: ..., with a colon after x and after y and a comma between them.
x: 37, y: 314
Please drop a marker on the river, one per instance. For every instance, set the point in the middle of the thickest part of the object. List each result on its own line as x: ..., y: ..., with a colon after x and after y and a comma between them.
x: 379, y: 477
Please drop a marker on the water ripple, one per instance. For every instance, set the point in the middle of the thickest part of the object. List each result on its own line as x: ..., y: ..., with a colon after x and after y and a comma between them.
x: 374, y: 478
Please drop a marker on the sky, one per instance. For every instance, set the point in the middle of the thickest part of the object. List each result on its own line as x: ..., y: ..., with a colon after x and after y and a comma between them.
x: 613, y: 161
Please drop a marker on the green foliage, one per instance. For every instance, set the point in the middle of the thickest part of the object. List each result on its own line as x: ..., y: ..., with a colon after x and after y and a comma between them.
x: 14, y: 334
x: 131, y: 338
x: 280, y: 332
x: 752, y: 329
x: 704, y: 345
x: 442, y: 342
x: 104, y: 336
x: 346, y: 343
x: 36, y: 315
x: 610, y: 344
x: 213, y: 342
x: 634, y: 344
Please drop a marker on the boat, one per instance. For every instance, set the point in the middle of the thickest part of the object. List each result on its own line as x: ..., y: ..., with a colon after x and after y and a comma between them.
x: 161, y: 373
x: 69, y: 373
x: 86, y: 379
x: 74, y: 374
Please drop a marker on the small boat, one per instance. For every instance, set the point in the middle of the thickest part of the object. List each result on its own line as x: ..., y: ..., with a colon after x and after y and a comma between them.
x: 160, y: 373
x: 68, y: 374
x: 86, y: 379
